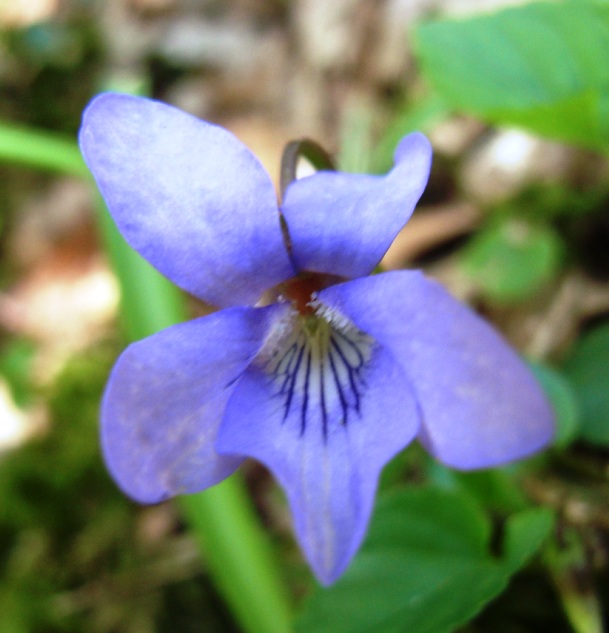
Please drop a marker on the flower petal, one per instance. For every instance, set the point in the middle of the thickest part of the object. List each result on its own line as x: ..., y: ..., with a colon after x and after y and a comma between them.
x: 343, y: 224
x: 481, y: 405
x: 188, y: 196
x: 166, y: 397
x: 325, y: 415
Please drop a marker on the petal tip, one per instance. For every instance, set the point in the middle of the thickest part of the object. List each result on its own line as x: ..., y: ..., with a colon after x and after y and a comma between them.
x: 415, y: 146
x: 93, y: 117
x: 327, y: 577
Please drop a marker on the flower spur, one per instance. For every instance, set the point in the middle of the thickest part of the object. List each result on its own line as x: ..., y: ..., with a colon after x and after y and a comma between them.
x: 325, y: 384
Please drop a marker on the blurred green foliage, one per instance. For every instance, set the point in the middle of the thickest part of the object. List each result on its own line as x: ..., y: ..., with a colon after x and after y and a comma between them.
x: 511, y: 259
x: 536, y: 66
x: 564, y: 398
x: 52, y: 70
x: 587, y: 368
x: 15, y: 367
x: 72, y: 554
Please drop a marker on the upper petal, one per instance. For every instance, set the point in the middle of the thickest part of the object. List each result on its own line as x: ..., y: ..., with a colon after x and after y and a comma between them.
x: 188, y: 196
x: 481, y: 405
x: 324, y: 414
x: 166, y: 397
x: 343, y: 224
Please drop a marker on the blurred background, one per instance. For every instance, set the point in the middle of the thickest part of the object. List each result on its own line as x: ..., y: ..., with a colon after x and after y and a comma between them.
x: 515, y: 223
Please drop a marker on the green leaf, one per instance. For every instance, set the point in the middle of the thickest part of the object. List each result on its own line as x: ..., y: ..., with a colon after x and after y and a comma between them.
x: 525, y: 533
x: 561, y: 395
x: 537, y: 66
x: 511, y: 259
x: 426, y: 566
x: 587, y: 368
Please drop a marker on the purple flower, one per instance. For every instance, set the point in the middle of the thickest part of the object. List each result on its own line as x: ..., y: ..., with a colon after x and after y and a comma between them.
x: 330, y: 379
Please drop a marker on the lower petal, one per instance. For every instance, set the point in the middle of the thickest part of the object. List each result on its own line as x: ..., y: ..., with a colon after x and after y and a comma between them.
x: 325, y: 412
x: 481, y: 405
x: 165, y: 399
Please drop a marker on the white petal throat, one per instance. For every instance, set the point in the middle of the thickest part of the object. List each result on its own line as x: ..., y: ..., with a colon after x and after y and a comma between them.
x: 317, y: 365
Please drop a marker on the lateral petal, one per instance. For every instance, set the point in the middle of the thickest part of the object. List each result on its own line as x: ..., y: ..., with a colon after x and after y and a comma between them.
x: 324, y: 415
x: 480, y: 404
x: 165, y: 400
x: 342, y: 224
x: 188, y: 196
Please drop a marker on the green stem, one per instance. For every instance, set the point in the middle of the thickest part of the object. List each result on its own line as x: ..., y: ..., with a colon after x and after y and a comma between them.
x: 222, y: 517
x: 40, y: 150
x: 223, y: 522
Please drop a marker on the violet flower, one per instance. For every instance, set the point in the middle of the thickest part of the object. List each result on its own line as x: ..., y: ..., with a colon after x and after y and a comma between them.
x: 326, y: 383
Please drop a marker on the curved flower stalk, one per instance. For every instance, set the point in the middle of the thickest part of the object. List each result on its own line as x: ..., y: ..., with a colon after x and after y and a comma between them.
x: 334, y: 375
